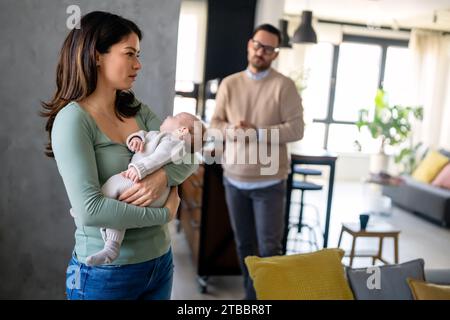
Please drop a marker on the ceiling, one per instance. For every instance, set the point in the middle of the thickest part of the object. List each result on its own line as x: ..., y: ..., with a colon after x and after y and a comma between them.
x: 426, y: 14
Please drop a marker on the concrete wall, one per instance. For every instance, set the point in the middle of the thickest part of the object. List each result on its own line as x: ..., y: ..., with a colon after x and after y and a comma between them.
x: 36, y: 230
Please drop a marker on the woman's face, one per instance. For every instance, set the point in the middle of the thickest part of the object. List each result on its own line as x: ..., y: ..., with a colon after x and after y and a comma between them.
x: 119, y: 67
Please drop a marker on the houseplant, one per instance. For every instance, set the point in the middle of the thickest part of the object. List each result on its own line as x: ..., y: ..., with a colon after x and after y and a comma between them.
x: 300, y: 78
x: 408, y: 157
x: 391, y: 124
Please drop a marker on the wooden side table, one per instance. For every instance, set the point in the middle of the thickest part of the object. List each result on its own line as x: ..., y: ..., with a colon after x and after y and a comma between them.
x: 380, y: 231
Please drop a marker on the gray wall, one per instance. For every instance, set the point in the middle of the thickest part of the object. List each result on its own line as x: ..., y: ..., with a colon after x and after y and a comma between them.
x: 36, y: 230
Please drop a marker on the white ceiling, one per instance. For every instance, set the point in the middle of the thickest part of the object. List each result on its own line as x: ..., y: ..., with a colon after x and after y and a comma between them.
x: 400, y: 13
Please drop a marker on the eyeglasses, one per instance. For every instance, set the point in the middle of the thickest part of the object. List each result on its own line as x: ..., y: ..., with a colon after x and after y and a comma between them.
x: 267, y: 49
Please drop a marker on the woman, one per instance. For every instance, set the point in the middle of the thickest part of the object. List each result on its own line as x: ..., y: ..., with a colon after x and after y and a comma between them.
x: 89, y: 118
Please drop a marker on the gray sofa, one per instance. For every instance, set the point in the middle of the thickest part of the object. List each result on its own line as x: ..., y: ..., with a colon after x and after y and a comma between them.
x: 438, y: 276
x: 430, y: 202
x: 392, y: 280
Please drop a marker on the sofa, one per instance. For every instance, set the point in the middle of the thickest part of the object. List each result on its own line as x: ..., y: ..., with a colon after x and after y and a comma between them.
x: 425, y: 200
x: 320, y: 275
x: 438, y: 276
x: 394, y: 281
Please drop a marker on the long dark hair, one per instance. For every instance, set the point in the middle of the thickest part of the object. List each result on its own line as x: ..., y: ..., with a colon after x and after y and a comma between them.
x: 76, y: 74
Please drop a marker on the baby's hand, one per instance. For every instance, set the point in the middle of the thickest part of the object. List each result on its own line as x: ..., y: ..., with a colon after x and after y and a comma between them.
x: 136, y: 145
x: 131, y: 174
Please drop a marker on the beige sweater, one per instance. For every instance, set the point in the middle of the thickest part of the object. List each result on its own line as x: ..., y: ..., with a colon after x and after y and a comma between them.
x: 270, y: 103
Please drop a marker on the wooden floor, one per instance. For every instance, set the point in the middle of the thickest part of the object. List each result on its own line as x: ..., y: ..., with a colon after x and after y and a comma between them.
x: 418, y: 239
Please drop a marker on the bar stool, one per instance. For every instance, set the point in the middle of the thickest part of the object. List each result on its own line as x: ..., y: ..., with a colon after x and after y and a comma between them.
x: 304, y: 185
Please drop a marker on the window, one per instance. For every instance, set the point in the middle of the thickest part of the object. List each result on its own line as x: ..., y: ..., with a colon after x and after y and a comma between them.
x: 314, y: 135
x: 357, y: 79
x: 341, y: 137
x: 318, y: 73
x: 398, y: 74
x: 190, y: 55
x: 343, y: 79
x: 182, y: 104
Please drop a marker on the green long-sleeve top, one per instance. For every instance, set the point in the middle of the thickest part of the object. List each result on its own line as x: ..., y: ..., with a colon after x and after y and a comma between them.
x: 86, y: 158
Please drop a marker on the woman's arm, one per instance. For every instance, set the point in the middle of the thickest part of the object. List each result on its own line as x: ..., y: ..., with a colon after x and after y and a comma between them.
x: 72, y: 142
x: 177, y: 173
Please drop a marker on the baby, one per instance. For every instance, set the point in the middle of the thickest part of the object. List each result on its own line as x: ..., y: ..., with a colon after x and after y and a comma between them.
x: 153, y: 150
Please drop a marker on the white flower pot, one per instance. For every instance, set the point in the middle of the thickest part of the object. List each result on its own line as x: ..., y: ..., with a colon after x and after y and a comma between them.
x: 378, y: 162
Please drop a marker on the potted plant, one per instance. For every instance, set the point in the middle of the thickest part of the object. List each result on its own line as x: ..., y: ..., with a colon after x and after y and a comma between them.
x: 408, y: 156
x: 389, y: 123
x: 300, y: 78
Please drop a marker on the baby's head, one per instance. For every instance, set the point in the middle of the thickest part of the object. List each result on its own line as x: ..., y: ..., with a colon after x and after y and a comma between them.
x: 187, y: 127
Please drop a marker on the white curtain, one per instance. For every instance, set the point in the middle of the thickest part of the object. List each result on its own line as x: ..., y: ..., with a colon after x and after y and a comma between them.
x: 431, y: 83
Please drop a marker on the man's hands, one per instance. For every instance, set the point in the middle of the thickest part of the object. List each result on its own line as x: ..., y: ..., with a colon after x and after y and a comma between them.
x: 131, y: 174
x: 245, y: 125
x: 147, y: 190
x: 242, y: 128
x: 136, y: 145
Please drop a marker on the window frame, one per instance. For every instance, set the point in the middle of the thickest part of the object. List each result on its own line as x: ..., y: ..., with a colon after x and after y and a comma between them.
x: 385, y: 43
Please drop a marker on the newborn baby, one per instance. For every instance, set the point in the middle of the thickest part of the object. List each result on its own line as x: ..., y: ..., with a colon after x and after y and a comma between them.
x: 154, y: 149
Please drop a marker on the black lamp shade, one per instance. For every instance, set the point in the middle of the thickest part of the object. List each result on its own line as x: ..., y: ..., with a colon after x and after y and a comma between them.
x: 305, y: 32
x: 285, y: 41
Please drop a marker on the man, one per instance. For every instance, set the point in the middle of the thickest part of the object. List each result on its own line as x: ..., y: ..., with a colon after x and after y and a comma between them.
x: 261, y: 103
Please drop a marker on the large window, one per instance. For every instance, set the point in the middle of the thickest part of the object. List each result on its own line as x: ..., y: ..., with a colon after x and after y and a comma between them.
x: 357, y: 79
x: 318, y: 73
x: 190, y: 55
x: 343, y: 79
x: 398, y: 75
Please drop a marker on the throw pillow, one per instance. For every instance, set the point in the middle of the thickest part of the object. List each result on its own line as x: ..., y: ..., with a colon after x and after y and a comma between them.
x: 443, y: 178
x: 427, y: 170
x: 311, y: 276
x: 422, y: 290
x: 386, y: 282
x: 445, y: 152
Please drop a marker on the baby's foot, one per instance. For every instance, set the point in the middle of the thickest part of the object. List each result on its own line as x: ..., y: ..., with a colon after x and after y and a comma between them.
x: 109, y: 253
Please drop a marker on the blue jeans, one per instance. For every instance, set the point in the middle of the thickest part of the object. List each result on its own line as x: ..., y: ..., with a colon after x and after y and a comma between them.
x: 150, y: 280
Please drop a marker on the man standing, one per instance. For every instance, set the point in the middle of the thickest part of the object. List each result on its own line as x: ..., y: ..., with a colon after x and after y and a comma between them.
x: 261, y: 101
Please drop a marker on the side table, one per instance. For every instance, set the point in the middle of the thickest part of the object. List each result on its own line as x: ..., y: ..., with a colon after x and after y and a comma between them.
x: 380, y: 231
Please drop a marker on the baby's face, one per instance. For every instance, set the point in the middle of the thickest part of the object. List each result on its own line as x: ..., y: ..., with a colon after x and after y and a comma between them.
x: 183, y: 125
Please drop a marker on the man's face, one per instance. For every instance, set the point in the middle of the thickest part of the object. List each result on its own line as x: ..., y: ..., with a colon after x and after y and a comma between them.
x: 260, y: 50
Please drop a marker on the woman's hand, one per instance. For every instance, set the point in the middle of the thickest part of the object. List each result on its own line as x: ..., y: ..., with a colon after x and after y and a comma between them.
x: 144, y: 192
x: 172, y: 203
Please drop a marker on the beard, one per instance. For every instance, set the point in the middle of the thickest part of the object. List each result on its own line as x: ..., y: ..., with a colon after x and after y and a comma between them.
x: 259, y: 63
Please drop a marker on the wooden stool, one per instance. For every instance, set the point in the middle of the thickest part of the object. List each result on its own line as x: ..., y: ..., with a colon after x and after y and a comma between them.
x: 380, y: 231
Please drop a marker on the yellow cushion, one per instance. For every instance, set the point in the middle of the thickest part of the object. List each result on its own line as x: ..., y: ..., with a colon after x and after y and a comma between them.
x: 428, y: 169
x: 422, y: 290
x: 311, y: 276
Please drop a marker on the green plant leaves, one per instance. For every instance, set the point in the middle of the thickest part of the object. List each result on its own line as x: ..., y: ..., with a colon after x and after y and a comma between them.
x: 391, y: 123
